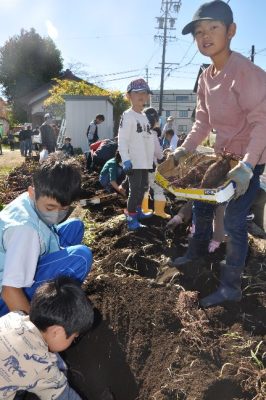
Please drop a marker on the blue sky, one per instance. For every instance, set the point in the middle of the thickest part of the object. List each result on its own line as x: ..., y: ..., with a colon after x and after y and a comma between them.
x: 112, y: 41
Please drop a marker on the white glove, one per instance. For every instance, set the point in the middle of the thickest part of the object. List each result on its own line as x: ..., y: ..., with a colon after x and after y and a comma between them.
x: 174, y: 222
x: 241, y: 175
x: 178, y: 154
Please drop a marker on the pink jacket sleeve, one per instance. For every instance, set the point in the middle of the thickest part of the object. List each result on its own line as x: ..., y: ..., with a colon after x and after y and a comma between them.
x: 251, y: 92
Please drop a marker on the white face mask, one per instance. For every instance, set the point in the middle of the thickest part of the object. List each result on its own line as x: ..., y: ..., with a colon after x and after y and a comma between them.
x: 52, y: 217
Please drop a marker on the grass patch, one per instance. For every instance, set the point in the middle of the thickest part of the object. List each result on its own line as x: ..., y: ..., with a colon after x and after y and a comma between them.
x: 90, y: 230
x: 4, y: 171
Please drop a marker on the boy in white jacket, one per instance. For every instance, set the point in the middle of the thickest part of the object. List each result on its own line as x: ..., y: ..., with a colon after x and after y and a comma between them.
x: 136, y: 147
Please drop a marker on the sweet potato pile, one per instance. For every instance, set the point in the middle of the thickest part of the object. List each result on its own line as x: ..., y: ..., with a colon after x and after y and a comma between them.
x: 202, y: 172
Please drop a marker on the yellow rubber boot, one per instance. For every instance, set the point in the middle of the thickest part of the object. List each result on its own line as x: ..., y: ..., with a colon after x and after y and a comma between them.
x: 145, y: 205
x: 159, y: 209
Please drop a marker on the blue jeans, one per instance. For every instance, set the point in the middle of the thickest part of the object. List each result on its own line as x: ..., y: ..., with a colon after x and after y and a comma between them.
x: 235, y: 221
x: 74, y: 259
x: 27, y: 147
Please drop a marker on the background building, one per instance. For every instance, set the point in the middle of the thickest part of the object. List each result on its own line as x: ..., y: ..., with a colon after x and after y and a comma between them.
x: 179, y: 104
x: 80, y: 111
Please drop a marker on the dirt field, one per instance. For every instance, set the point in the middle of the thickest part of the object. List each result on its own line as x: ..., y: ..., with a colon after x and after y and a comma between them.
x: 151, y: 340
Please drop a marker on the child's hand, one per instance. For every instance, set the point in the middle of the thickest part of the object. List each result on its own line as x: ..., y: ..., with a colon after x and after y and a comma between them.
x: 121, y: 190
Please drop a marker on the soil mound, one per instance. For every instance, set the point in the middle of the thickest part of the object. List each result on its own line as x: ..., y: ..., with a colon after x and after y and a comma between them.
x: 151, y: 340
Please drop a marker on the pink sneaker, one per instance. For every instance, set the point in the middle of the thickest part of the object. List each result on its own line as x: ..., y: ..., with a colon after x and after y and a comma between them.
x: 213, y: 245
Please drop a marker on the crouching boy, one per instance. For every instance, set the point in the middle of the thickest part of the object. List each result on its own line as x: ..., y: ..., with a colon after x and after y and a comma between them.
x: 34, y: 245
x: 59, y: 312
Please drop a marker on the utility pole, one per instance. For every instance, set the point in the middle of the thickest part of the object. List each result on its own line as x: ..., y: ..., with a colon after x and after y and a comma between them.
x: 147, y: 80
x: 147, y: 74
x: 166, y: 22
x: 252, y: 53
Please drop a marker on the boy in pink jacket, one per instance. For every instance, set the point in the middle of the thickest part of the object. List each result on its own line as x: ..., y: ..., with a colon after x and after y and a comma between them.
x: 231, y: 100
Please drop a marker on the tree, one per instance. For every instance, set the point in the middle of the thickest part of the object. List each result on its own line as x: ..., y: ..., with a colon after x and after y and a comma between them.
x: 56, y: 104
x: 27, y: 61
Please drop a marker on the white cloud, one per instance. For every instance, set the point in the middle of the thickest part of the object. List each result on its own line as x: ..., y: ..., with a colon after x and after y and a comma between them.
x: 51, y: 29
x: 9, y: 4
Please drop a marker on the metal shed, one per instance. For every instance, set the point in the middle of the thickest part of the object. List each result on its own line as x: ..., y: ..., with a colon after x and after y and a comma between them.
x: 80, y: 111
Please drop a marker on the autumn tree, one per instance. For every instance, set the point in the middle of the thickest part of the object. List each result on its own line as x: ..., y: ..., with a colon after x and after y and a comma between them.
x: 27, y: 61
x: 56, y: 104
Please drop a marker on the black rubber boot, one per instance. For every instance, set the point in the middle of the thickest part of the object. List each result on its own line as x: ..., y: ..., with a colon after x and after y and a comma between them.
x: 196, y: 249
x: 229, y: 289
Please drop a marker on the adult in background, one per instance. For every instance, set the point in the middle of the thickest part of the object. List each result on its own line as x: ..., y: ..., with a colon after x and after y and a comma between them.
x: 168, y: 125
x: 47, y: 134
x: 21, y: 137
x: 11, y: 140
x: 36, y: 139
x: 28, y: 141
x: 92, y: 131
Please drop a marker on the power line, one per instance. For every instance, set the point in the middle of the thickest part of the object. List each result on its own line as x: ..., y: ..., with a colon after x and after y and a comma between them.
x: 113, y: 73
x: 116, y: 79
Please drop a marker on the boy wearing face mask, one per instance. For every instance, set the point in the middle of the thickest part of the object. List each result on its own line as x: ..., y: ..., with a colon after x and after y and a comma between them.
x: 35, y: 245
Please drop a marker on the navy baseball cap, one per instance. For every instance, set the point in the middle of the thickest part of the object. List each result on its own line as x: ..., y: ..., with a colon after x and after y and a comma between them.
x: 214, y: 10
x: 138, y: 85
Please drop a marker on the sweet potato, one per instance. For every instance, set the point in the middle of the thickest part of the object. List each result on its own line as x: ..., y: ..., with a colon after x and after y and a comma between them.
x: 194, y: 176
x: 216, y: 173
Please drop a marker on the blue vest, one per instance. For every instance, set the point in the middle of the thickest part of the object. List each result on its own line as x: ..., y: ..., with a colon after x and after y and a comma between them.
x: 21, y: 212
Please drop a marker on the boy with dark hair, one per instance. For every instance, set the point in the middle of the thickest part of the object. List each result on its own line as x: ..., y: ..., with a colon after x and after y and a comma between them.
x: 92, y: 131
x: 67, y: 147
x: 35, y: 245
x: 59, y: 313
x: 168, y: 136
x: 170, y: 141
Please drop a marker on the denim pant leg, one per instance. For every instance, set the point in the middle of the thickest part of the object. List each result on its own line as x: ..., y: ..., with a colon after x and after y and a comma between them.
x: 235, y: 222
x: 70, y: 232
x: 203, y: 214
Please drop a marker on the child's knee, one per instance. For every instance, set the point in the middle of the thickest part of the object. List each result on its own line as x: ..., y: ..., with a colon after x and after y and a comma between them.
x: 85, y: 253
x: 79, y: 225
